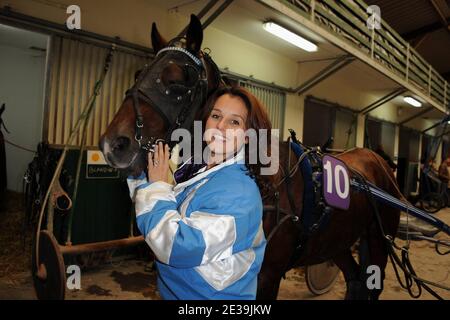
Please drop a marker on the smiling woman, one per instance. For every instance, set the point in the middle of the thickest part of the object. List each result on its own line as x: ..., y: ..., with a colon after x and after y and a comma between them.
x: 206, y: 231
x: 231, y: 113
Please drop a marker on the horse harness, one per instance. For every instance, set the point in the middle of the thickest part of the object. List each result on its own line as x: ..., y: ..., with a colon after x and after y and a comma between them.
x: 315, y: 213
x: 176, y: 103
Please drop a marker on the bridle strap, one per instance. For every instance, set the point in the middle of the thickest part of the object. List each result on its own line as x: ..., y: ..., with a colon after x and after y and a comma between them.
x: 186, y: 52
x: 139, y: 117
x: 147, y: 146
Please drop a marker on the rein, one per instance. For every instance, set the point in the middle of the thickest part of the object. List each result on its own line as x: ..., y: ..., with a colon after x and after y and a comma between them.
x: 286, y: 179
x: 403, y: 263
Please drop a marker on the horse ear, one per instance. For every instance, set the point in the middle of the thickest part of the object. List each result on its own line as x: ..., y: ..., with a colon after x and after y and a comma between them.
x: 158, y: 42
x: 136, y: 74
x: 194, y: 35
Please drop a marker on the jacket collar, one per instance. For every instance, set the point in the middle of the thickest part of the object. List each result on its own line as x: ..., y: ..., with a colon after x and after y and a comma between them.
x: 203, y: 173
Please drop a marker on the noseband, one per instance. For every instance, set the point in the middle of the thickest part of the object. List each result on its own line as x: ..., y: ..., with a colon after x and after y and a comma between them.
x: 176, y: 103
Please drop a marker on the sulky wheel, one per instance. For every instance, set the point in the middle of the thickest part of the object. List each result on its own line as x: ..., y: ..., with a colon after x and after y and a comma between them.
x: 49, y: 277
x: 320, y: 278
x: 432, y: 202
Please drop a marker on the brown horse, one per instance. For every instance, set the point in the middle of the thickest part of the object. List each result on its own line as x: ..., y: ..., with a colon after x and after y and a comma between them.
x: 145, y: 117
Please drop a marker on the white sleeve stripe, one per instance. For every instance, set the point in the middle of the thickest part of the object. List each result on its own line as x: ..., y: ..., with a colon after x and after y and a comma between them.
x: 218, y: 231
x: 222, y: 274
x: 161, y: 237
x: 133, y: 184
x: 219, y: 234
x: 259, y: 237
x: 146, y: 198
x: 188, y: 199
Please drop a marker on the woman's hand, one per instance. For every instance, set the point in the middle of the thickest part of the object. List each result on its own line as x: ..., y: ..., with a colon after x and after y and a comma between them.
x: 158, y: 164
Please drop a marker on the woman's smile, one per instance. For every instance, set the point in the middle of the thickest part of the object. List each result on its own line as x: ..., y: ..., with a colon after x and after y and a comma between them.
x: 219, y: 138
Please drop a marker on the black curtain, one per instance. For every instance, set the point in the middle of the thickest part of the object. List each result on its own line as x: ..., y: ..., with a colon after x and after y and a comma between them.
x: 372, y: 136
x: 318, y: 123
x: 408, y: 158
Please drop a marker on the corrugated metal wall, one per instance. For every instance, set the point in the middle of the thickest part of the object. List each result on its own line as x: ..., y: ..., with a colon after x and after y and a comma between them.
x: 273, y: 100
x: 76, y: 66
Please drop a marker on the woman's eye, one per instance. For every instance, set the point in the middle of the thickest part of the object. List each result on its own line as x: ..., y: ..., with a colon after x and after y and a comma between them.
x: 215, y: 116
x: 235, y: 122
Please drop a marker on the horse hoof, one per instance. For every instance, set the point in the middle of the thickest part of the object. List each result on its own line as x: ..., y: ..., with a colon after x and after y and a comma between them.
x: 356, y: 290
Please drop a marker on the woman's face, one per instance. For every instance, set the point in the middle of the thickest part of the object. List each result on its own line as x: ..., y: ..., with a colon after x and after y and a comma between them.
x: 225, y: 126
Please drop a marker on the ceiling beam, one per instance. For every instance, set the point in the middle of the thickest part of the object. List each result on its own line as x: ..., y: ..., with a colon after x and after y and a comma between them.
x: 200, y: 15
x: 446, y: 118
x: 445, y: 133
x: 378, y: 103
x: 323, y: 74
x: 213, y: 15
x: 421, y: 113
x: 216, y: 13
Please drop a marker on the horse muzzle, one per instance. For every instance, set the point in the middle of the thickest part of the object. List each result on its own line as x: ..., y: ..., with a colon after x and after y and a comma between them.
x: 120, y: 152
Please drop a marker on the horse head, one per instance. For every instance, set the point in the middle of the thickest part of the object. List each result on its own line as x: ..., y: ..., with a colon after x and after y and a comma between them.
x: 168, y: 94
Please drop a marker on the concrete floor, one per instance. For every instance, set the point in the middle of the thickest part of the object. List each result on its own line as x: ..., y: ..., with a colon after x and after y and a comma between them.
x: 130, y: 278
x: 122, y: 279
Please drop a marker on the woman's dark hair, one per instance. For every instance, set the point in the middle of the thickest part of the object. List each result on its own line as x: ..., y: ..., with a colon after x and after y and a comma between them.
x: 257, y: 119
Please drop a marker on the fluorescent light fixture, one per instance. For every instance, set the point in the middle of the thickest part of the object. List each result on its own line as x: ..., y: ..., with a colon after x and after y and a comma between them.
x: 412, y: 102
x: 289, y: 36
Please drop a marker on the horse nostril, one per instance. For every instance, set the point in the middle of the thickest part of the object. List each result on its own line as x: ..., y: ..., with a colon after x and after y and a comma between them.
x: 120, y: 144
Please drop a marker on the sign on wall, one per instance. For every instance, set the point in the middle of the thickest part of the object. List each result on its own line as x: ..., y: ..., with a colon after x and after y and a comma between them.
x: 97, y: 168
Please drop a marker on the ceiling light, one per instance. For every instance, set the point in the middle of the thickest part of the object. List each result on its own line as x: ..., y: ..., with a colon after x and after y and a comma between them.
x: 412, y: 102
x: 289, y: 36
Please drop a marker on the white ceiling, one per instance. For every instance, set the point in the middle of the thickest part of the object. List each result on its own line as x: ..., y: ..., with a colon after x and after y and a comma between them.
x: 244, y: 19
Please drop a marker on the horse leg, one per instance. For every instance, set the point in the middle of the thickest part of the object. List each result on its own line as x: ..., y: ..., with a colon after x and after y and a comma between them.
x: 268, y: 286
x: 378, y: 257
x: 356, y: 289
x: 364, y: 257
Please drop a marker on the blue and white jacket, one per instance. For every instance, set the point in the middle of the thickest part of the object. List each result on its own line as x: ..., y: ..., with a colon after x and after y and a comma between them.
x: 206, y: 232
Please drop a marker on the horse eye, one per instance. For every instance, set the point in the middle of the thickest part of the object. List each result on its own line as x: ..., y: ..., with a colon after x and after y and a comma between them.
x: 190, y: 76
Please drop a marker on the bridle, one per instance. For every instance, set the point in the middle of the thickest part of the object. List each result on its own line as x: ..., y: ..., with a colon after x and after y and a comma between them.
x: 176, y: 103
